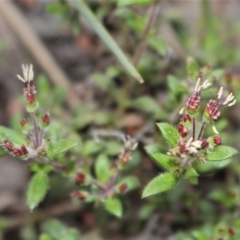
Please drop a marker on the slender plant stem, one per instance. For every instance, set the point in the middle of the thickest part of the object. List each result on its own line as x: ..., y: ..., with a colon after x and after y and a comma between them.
x: 201, y: 130
x: 35, y: 131
x: 193, y: 128
x: 153, y: 12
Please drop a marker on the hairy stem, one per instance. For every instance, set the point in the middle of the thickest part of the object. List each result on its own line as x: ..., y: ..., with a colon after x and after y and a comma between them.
x: 201, y: 130
x: 193, y: 128
x: 35, y: 131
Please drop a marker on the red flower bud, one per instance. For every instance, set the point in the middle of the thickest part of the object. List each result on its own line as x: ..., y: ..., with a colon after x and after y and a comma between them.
x: 186, y: 118
x: 78, y: 195
x: 212, y: 110
x: 123, y: 187
x: 205, y: 143
x: 193, y: 103
x: 183, y: 131
x: 30, y: 97
x: 23, y: 122
x: 217, y: 140
x: 17, y: 152
x: 80, y: 177
x: 231, y: 231
x: 46, y: 118
x: 8, y: 145
x: 24, y: 150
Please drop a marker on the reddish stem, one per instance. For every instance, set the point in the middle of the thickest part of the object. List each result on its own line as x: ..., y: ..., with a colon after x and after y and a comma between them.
x: 201, y: 130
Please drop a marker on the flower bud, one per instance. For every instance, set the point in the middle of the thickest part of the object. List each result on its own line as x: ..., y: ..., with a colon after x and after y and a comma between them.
x: 217, y: 140
x: 80, y: 178
x: 205, y: 144
x: 8, y: 145
x: 231, y: 231
x: 123, y: 187
x: 186, y: 118
x: 80, y: 196
x: 46, y: 119
x: 193, y: 103
x: 212, y: 112
x: 183, y: 131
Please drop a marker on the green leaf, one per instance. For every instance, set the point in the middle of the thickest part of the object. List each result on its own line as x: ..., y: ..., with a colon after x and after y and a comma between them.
x: 12, y: 135
x: 61, y: 147
x: 54, y: 228
x: 192, y: 68
x: 37, y: 189
x: 131, y: 181
x: 91, y: 147
x: 152, y: 148
x: 221, y: 153
x: 175, y: 85
x: 55, y: 8
x: 169, y: 132
x: 122, y: 3
x: 216, y: 74
x: 145, y: 104
x: 102, y: 168
x: 83, y: 8
x: 163, y: 160
x: 190, y: 172
x: 45, y: 236
x: 159, y: 184
x: 71, y: 234
x: 112, y: 147
x: 211, y: 166
x: 114, y: 206
x: 159, y: 44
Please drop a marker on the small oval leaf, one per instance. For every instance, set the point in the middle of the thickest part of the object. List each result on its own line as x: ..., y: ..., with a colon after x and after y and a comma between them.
x: 221, y: 153
x: 160, y: 184
x: 61, y: 147
x: 102, y: 168
x: 163, y: 160
x: 114, y: 206
x: 169, y: 132
x: 37, y: 189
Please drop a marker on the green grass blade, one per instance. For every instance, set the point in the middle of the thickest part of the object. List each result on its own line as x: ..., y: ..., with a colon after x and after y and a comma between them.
x: 82, y: 7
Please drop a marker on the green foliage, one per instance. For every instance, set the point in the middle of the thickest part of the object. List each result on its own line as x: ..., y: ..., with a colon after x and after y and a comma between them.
x: 37, y: 189
x: 83, y: 8
x: 221, y: 153
x: 12, y: 135
x: 159, y: 184
x: 122, y: 3
x: 55, y: 230
x: 163, y: 160
x: 102, y: 168
x: 61, y: 147
x: 169, y: 132
x: 114, y: 206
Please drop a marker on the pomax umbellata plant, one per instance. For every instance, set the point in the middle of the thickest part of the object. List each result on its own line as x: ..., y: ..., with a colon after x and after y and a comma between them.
x: 36, y: 147
x: 188, y: 145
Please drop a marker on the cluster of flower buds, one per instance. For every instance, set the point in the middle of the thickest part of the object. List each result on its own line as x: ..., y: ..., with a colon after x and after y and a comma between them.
x: 18, y: 151
x: 99, y: 190
x: 130, y: 145
x: 33, y: 128
x: 191, y: 144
